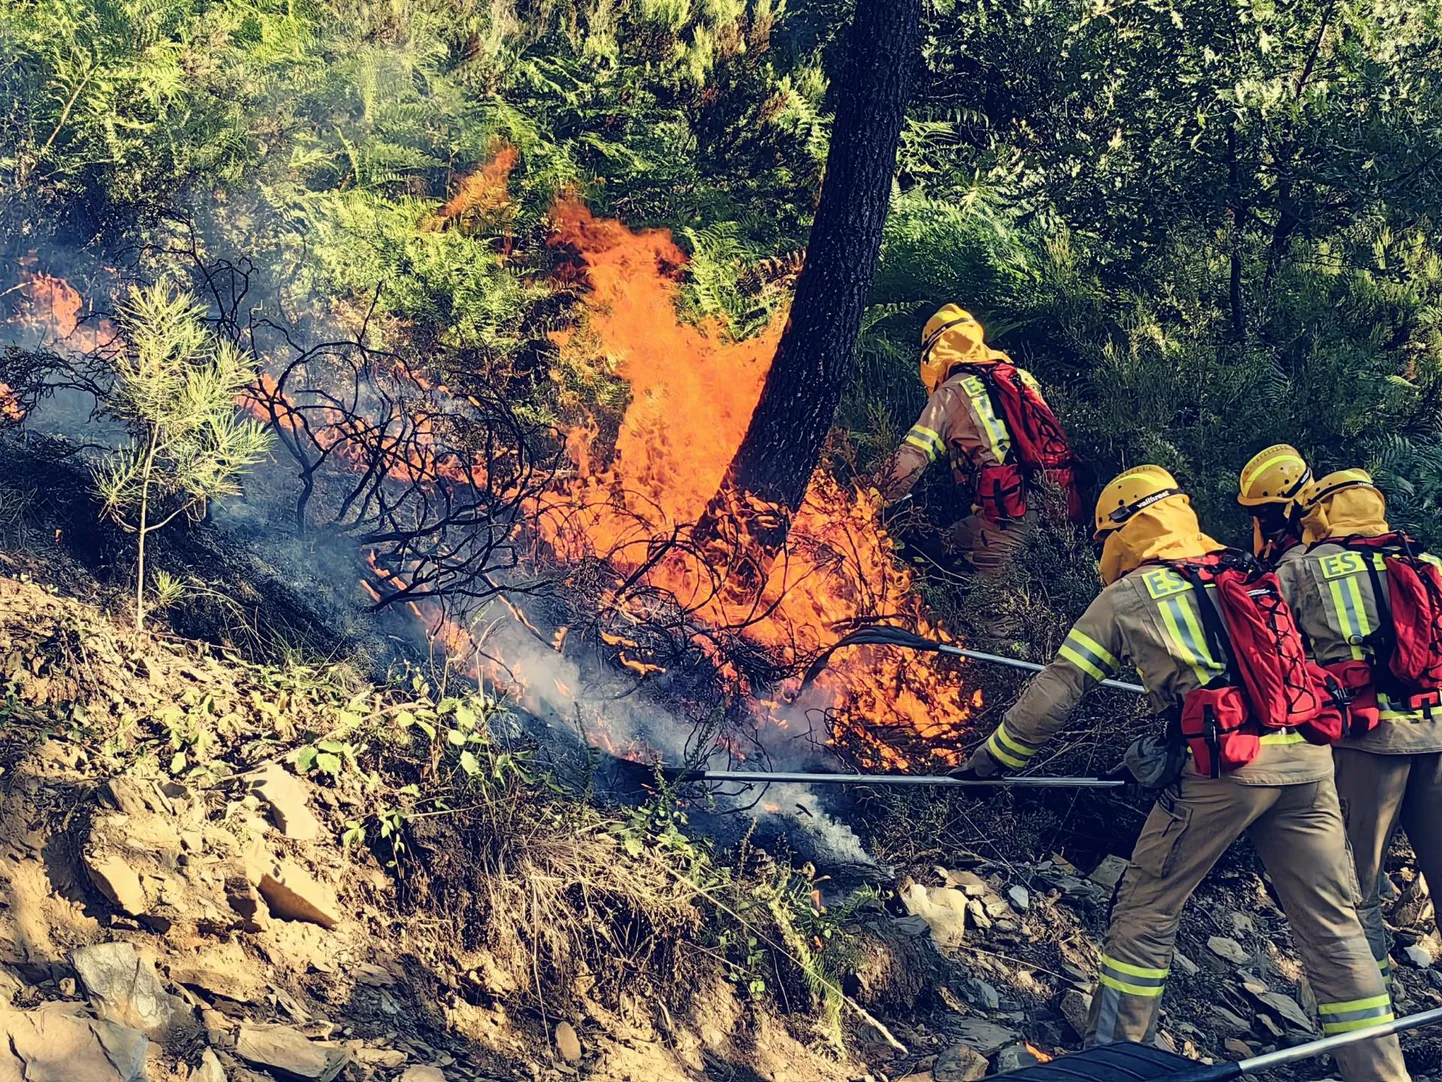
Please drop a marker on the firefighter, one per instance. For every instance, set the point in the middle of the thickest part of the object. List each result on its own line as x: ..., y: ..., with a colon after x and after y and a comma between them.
x: 1268, y: 488
x: 1150, y: 616
x: 988, y: 418
x: 1389, y: 776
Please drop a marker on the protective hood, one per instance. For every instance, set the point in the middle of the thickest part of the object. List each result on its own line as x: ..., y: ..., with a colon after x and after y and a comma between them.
x: 1357, y: 511
x: 959, y: 343
x: 1165, y: 531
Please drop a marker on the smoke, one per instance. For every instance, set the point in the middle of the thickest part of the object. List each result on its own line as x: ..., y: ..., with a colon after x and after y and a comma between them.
x: 574, y: 702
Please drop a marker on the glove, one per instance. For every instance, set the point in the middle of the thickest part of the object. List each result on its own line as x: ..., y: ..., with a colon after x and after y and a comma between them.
x: 979, y: 767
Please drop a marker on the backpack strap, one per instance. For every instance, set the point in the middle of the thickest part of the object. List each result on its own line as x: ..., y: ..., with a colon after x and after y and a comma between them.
x: 985, y: 375
x: 1218, y: 641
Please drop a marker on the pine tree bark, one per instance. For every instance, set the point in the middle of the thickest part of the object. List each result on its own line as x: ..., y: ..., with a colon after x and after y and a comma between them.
x: 773, y: 465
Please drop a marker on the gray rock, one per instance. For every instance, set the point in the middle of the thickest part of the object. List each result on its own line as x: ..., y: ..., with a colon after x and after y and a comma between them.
x: 1231, y: 1019
x: 960, y: 1063
x: 118, y: 881
x: 1287, y: 1009
x: 287, y: 1050
x: 978, y: 914
x: 1228, y: 948
x: 568, y: 1044
x: 285, y: 797
x: 1013, y: 1058
x: 209, y: 1070
x: 943, y: 908
x: 1419, y: 956
x: 292, y: 894
x: 1185, y: 964
x: 997, y: 908
x: 50, y: 1045
x: 1108, y: 872
x: 10, y: 985
x: 985, y: 1037
x: 1075, y: 1008
x: 1020, y: 897
x: 422, y: 1074
x: 126, y: 987
x: 912, y: 926
x: 969, y: 883
x: 985, y: 994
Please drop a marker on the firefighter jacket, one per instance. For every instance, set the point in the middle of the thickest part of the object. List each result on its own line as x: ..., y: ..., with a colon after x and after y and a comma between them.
x: 959, y: 423
x: 1148, y: 617
x: 1330, y: 591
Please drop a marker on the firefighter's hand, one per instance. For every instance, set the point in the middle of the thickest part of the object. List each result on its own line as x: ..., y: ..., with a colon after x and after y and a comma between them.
x: 979, y: 767
x: 874, y: 501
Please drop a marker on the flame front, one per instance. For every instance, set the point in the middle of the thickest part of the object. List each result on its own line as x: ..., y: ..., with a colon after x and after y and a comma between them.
x: 692, y: 395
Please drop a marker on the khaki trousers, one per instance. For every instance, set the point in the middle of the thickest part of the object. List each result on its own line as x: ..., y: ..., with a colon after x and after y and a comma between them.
x: 1380, y: 793
x: 1298, y: 833
x: 990, y: 545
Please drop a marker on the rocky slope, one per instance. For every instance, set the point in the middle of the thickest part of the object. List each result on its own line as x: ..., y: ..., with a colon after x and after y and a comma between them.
x: 213, y: 869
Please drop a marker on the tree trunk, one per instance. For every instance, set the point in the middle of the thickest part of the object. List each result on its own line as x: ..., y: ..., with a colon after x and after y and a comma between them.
x: 788, y: 429
x: 1234, y: 217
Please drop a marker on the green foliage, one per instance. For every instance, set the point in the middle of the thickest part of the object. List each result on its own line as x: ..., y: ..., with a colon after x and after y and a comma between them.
x: 175, y: 389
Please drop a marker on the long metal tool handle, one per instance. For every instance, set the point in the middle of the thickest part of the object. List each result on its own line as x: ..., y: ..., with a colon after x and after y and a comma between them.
x: 1326, y: 1044
x: 1028, y: 666
x: 1249, y: 1068
x: 759, y: 776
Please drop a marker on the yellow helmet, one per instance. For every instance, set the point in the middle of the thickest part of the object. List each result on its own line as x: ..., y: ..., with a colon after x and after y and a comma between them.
x: 1277, y: 475
x: 1127, y: 493
x: 951, y: 337
x: 1323, y: 487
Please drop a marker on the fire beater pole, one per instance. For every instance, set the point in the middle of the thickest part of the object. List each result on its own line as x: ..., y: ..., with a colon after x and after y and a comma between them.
x: 878, y: 635
x: 938, y: 780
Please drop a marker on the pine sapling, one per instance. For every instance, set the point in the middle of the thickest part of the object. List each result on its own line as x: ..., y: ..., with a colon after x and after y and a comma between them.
x: 175, y: 390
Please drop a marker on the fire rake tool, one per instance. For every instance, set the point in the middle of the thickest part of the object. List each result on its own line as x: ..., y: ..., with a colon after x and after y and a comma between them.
x: 880, y: 635
x: 1112, y: 1062
x: 939, y: 780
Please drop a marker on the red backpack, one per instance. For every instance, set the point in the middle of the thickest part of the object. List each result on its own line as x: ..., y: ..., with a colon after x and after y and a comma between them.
x: 1039, y: 449
x: 1409, y: 638
x: 1267, y: 684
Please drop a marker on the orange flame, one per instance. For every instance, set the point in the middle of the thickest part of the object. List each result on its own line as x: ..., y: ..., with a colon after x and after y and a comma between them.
x: 692, y: 395
x: 484, y: 193
x: 10, y: 408
x: 51, y: 308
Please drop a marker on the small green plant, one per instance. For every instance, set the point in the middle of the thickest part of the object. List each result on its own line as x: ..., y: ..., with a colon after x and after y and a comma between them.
x: 175, y: 389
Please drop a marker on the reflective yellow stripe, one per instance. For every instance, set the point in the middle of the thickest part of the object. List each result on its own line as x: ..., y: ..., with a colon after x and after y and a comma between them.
x: 1350, y: 1005
x: 926, y: 440
x: 1135, y: 971
x: 1082, y: 663
x: 1285, y: 456
x: 1281, y: 738
x: 1331, y: 1028
x: 1350, y: 634
x: 1364, y: 626
x: 1199, y: 638
x: 1132, y: 989
x: 996, y: 432
x: 995, y: 748
x: 921, y: 445
x: 1101, y: 653
x: 1012, y: 743
x: 1188, y: 654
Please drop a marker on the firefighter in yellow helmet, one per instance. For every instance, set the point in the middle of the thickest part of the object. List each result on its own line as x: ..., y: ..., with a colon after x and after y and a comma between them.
x: 1268, y: 487
x: 1389, y: 776
x: 966, y: 422
x: 1150, y: 616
